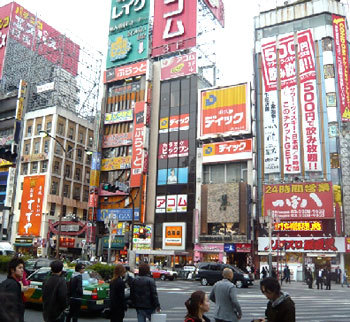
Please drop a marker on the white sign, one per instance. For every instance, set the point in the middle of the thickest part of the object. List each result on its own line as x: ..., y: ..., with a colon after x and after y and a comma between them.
x: 45, y: 87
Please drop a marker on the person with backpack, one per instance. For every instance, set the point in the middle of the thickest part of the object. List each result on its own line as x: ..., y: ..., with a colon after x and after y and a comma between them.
x: 75, y: 293
x: 55, y: 294
x: 12, y: 287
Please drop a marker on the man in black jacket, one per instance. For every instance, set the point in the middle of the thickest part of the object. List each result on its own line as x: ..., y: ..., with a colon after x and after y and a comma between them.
x: 143, y: 294
x: 76, y: 293
x: 12, y: 287
x: 55, y: 294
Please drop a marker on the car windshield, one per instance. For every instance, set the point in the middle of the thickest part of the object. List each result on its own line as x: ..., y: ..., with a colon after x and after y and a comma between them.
x: 91, y: 277
x: 29, y: 264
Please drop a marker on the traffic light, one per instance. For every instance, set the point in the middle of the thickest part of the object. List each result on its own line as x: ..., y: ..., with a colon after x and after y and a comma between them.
x: 109, y: 187
x: 142, y: 233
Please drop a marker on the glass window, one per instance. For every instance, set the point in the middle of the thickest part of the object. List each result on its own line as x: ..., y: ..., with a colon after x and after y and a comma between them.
x: 56, y: 167
x: 233, y: 172
x: 26, y: 148
x: 48, y: 126
x: 29, y: 130
x: 217, y: 173
x: 34, y: 167
x: 81, y: 137
x: 24, y: 168
x: 44, y: 166
x: 175, y: 94
x: 66, y: 190
x: 38, y: 128
x: 71, y: 131
x: 54, y: 186
x: 85, y: 198
x: 68, y: 171
x: 58, y: 149
x: 206, y: 173
x: 52, y: 209
x: 46, y: 146
x: 60, y: 129
x: 77, y: 174
x: 164, y: 94
x: 36, y: 147
x: 80, y: 155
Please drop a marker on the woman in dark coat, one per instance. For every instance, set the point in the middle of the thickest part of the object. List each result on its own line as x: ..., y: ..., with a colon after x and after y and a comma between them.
x: 117, y: 294
x: 197, y: 305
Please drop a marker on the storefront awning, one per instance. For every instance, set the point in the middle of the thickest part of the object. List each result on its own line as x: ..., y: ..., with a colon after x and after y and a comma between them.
x: 23, y: 244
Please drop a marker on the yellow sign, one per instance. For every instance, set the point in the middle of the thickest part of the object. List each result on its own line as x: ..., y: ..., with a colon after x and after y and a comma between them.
x: 299, y: 226
x: 116, y: 163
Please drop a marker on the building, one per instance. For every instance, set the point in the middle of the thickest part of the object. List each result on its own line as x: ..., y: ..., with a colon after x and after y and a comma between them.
x: 301, y: 73
x: 44, y: 175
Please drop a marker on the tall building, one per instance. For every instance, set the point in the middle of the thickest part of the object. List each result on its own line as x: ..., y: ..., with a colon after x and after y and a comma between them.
x: 302, y: 77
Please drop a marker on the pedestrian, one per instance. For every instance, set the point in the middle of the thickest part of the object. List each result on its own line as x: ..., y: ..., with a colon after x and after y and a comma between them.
x: 197, y: 305
x: 55, y: 294
x: 338, y: 275
x: 11, y: 287
x: 117, y: 294
x: 263, y: 272
x: 75, y: 293
x: 319, y: 279
x: 328, y: 279
x: 274, y: 272
x: 143, y: 294
x: 344, y: 279
x: 224, y: 296
x: 288, y: 275
x: 8, y: 308
x: 309, y: 278
x: 280, y: 307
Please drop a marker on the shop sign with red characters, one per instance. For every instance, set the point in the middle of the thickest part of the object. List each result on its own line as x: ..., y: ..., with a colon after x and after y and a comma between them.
x: 303, y: 244
x: 293, y: 201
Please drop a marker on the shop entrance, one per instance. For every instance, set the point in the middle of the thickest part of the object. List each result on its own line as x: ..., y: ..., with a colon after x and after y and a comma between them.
x: 237, y: 259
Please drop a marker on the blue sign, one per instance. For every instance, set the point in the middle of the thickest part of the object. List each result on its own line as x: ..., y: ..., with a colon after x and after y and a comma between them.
x: 124, y: 214
x: 96, y: 161
x: 229, y: 248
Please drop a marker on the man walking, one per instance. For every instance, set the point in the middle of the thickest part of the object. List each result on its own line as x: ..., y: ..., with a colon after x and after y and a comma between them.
x: 12, y: 288
x: 319, y: 279
x: 224, y: 296
x: 55, y: 294
x: 75, y: 293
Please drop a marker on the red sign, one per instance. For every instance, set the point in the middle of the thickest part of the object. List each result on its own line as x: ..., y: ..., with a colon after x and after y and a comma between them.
x: 93, y: 200
x: 174, y: 26
x: 342, y: 63
x: 173, y: 149
x: 31, y: 206
x: 178, y: 66
x: 67, y: 242
x: 138, y: 145
x: 123, y: 72
x: 218, y: 10
x: 5, y: 13
x: 114, y: 140
x: 299, y: 200
x: 174, y: 123
x: 243, y: 248
x: 38, y: 36
x: 321, y: 244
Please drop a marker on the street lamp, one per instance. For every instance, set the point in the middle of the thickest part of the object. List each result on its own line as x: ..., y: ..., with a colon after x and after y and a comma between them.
x: 44, y: 134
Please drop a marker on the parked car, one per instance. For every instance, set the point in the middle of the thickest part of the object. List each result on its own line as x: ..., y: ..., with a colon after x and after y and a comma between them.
x: 6, y: 249
x: 210, y: 273
x: 163, y: 273
x: 95, y: 290
x: 34, y: 264
x: 81, y: 261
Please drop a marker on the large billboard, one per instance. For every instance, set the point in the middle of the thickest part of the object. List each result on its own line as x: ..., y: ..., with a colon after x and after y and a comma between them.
x: 31, y: 206
x: 225, y: 111
x: 174, y: 123
x: 294, y: 201
x: 123, y: 72
x: 174, y: 236
x: 178, y: 66
x: 35, y: 34
x: 5, y: 14
x: 175, y: 23
x: 342, y: 65
x: 172, y: 176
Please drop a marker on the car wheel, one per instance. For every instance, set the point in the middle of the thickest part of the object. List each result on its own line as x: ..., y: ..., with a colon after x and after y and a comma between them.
x: 204, y: 281
x: 162, y: 277
x: 239, y: 284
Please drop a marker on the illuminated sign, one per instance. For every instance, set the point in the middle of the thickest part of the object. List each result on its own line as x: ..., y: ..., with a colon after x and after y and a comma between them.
x: 299, y: 226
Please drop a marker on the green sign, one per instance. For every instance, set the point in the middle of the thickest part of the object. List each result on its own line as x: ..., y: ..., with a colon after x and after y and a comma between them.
x: 128, y: 14
x: 117, y: 242
x: 127, y: 46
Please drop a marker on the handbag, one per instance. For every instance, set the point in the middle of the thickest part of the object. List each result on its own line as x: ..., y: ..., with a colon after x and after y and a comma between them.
x: 158, y: 317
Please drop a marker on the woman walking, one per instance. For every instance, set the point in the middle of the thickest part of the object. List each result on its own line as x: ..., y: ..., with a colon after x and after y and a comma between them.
x: 117, y: 294
x: 197, y: 305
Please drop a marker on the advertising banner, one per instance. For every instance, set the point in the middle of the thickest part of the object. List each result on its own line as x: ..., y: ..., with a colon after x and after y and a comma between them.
x: 96, y: 161
x: 171, y: 203
x: 118, y: 73
x: 178, y: 66
x: 342, y: 65
x: 298, y: 226
x: 228, y: 151
x: 5, y: 14
x: 218, y: 10
x: 172, y: 176
x: 173, y: 149
x: 303, y: 244
x: 174, y: 236
x: 138, y: 145
x: 38, y: 36
x: 118, y: 117
x: 174, y: 123
x: 31, y: 206
x: 299, y: 200
x: 118, y: 163
x: 174, y: 26
x: 127, y: 46
x: 114, y: 140
x: 225, y: 110
x: 122, y: 214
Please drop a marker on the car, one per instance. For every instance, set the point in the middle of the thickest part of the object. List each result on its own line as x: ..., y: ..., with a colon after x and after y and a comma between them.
x: 82, y: 261
x: 161, y: 273
x: 210, y: 273
x: 95, y: 290
x: 31, y: 265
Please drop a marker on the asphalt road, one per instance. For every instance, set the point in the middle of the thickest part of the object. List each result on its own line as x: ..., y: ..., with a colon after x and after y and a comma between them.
x: 311, y: 304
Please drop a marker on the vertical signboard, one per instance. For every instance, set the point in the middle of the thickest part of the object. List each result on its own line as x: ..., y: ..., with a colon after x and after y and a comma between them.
x: 342, y: 64
x: 175, y: 23
x: 5, y: 15
x: 31, y: 206
x: 138, y: 145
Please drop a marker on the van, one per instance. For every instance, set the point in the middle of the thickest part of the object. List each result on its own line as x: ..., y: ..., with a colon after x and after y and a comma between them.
x: 6, y: 249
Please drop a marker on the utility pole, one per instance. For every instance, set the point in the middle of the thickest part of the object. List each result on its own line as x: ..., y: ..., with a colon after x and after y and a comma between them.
x: 269, y: 213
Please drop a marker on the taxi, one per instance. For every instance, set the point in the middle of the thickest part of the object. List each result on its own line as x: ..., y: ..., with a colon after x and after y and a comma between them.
x: 95, y: 290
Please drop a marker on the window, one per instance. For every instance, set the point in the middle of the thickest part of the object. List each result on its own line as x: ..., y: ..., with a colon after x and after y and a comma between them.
x: 71, y: 154
x: 64, y: 211
x: 88, y: 159
x: 81, y: 137
x: 66, y: 190
x: 26, y: 148
x: 24, y: 168
x: 29, y: 130
x: 36, y: 147
x: 38, y: 128
x: 76, y: 194
x: 34, y: 167
x: 77, y: 174
x: 68, y: 171
x: 58, y: 149
x: 90, y: 141
x: 86, y: 195
x: 52, y: 209
x: 44, y: 166
x: 56, y: 167
x: 21, y: 186
x: 71, y: 131
x: 80, y: 155
x: 85, y: 214
x: 54, y: 187
x: 48, y: 126
x: 225, y: 173
x: 87, y: 177
x: 46, y: 146
x: 60, y: 129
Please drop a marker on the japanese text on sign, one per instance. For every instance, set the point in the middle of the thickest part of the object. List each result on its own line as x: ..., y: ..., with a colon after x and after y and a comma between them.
x: 298, y: 226
x: 173, y: 149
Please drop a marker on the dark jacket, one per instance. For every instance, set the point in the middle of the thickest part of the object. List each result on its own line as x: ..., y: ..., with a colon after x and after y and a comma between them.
x: 196, y: 319
x: 117, y: 296
x: 143, y: 293
x: 54, y: 297
x: 76, y: 286
x: 11, y: 286
x: 281, y: 310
